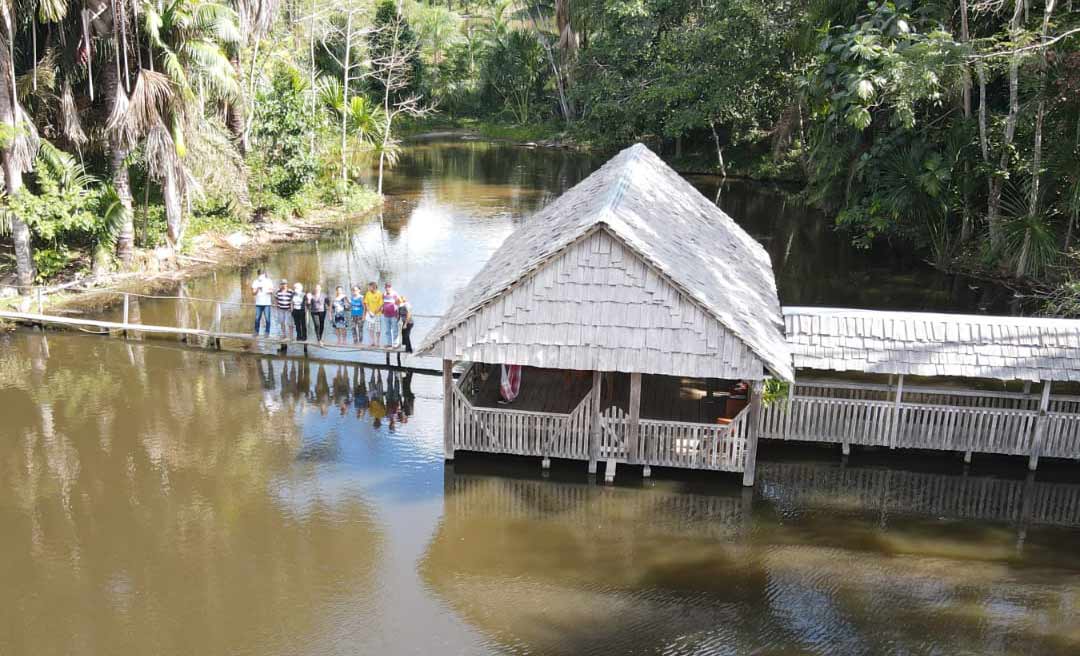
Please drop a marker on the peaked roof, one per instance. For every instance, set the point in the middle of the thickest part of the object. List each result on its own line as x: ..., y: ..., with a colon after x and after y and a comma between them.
x: 934, y: 344
x: 659, y: 215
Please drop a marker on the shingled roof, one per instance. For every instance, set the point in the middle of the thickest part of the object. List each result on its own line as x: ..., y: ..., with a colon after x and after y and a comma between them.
x: 654, y: 243
x: 931, y: 344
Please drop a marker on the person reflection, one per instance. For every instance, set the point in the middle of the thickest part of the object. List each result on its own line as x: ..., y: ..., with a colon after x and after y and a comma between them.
x: 377, y: 402
x: 360, y: 393
x: 321, y: 396
x: 393, y: 399
x: 341, y: 389
x: 303, y: 383
x: 407, y: 397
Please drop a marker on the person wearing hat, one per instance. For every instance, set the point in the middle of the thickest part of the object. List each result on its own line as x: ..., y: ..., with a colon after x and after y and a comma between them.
x: 283, y: 309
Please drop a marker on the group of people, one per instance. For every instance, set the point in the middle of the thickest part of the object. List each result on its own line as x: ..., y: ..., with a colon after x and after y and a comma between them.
x: 382, y: 318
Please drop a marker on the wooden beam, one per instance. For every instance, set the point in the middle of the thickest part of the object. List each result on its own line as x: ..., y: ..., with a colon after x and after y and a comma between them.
x: 127, y: 310
x: 448, y: 408
x: 894, y: 430
x: 594, y: 424
x: 1040, y: 427
x: 633, y: 432
x: 753, y: 427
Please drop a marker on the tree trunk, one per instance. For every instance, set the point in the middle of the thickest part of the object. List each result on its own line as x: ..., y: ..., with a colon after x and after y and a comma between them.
x: 964, y: 38
x: 118, y: 154
x: 997, y: 182
x: 1040, y: 113
x: 174, y: 215
x: 235, y: 113
x: 20, y: 231
x: 345, y: 100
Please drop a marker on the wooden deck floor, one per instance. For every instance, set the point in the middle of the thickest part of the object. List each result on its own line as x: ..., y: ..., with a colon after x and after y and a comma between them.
x: 662, y: 397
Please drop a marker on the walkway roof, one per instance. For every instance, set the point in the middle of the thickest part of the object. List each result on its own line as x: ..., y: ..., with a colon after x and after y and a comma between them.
x: 933, y: 344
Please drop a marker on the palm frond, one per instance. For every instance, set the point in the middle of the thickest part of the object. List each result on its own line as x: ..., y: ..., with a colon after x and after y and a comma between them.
x: 52, y: 11
x: 70, y: 124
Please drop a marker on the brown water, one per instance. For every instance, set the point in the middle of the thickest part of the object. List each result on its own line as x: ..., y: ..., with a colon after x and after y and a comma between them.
x: 158, y: 499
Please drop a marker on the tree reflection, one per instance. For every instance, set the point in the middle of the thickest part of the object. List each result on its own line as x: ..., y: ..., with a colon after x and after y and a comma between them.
x: 143, y: 510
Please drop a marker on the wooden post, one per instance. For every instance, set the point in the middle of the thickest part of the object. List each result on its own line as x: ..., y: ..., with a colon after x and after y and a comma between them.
x: 217, y: 325
x: 594, y: 424
x: 127, y: 311
x: 895, y: 428
x: 40, y: 305
x: 633, y: 432
x: 1040, y: 427
x: 448, y: 408
x: 790, y: 409
x: 753, y: 427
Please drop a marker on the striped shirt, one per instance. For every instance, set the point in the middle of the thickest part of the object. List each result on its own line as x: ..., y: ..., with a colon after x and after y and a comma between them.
x: 284, y: 299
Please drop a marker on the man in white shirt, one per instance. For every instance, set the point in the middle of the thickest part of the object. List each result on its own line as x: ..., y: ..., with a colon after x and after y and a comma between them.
x: 263, y: 289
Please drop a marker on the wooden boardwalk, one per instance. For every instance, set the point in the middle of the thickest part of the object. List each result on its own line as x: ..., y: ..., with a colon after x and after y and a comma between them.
x: 211, y: 335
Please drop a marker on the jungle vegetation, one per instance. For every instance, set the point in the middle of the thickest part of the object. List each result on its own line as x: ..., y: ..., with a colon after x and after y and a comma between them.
x: 947, y: 127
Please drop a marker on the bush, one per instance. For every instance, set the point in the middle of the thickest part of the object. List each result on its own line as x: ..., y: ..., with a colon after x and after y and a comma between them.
x: 283, y: 163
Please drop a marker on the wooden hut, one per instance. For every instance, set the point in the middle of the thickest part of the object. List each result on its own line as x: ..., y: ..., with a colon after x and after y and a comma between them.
x: 925, y: 380
x: 640, y: 312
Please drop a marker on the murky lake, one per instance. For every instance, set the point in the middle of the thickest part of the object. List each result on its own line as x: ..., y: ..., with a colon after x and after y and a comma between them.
x: 159, y: 499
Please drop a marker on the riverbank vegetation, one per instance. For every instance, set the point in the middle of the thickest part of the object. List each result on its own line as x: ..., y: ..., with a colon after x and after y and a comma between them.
x: 947, y: 127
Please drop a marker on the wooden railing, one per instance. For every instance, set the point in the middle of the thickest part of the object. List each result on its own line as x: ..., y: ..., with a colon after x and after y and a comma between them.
x: 660, y: 443
x: 498, y: 430
x: 973, y: 398
x: 693, y: 445
x: 1009, y: 431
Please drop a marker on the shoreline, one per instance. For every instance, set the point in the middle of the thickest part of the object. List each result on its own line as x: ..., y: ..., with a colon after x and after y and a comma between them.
x: 155, y: 270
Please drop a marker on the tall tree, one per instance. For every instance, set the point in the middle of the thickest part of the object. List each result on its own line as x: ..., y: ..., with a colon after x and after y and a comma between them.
x: 18, y: 144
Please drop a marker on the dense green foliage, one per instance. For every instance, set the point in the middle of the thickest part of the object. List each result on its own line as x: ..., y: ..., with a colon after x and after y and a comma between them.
x: 945, y: 126
x: 282, y: 131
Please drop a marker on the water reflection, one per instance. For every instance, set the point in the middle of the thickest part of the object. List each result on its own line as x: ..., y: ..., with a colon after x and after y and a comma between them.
x: 143, y: 508
x: 160, y: 499
x: 812, y: 564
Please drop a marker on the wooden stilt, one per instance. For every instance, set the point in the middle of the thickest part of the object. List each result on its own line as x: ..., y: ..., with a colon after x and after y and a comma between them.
x: 845, y: 448
x: 545, y: 463
x: 594, y: 424
x: 1040, y: 427
x: 633, y: 432
x: 753, y: 427
x: 448, y: 408
x: 127, y: 311
x: 609, y: 471
x: 967, y: 457
x: 894, y: 430
x: 646, y: 471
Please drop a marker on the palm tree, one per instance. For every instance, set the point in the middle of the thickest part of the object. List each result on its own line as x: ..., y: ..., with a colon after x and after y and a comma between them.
x: 18, y: 145
x: 188, y: 38
x: 362, y: 120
